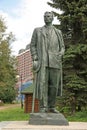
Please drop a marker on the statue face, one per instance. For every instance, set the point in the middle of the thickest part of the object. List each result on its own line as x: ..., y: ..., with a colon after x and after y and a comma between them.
x: 48, y: 17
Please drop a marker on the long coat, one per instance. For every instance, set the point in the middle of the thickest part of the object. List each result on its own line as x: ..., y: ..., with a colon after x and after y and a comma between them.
x: 38, y: 48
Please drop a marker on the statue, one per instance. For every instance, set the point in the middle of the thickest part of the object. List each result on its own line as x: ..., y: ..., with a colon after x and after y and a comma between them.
x: 47, y: 48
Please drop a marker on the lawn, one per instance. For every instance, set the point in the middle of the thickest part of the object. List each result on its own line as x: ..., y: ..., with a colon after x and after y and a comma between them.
x: 13, y: 114
x: 78, y: 116
x: 17, y: 114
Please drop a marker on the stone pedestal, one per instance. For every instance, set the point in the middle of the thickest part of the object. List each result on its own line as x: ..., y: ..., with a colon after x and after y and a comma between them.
x: 47, y: 119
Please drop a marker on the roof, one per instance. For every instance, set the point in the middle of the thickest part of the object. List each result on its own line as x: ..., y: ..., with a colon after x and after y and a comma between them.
x: 26, y: 84
x: 28, y: 90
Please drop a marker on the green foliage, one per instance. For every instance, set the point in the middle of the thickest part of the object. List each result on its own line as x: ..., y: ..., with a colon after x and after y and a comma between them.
x: 7, y: 94
x: 73, y: 23
x: 7, y: 62
x: 75, y: 75
x: 73, y: 18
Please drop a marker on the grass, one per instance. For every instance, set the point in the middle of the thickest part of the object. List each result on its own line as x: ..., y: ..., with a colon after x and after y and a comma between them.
x: 13, y: 114
x: 78, y: 116
x: 17, y: 114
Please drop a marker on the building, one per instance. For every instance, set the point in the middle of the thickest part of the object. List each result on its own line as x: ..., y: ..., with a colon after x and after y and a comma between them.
x: 28, y: 92
x: 24, y: 71
x: 24, y: 65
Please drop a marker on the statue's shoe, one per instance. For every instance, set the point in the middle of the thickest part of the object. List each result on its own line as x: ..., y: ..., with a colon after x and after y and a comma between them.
x: 43, y: 110
x: 53, y: 110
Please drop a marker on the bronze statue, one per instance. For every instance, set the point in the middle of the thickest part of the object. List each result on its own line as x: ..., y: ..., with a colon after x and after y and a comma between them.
x: 47, y: 48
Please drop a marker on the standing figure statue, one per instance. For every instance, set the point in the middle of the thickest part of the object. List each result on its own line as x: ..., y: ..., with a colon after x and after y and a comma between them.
x: 47, y: 48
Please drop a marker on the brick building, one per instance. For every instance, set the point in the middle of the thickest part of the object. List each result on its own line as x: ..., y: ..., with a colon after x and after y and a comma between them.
x: 24, y: 65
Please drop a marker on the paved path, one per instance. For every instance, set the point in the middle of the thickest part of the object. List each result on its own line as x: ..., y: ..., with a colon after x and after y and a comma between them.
x: 3, y: 124
x: 9, y: 106
x: 24, y: 125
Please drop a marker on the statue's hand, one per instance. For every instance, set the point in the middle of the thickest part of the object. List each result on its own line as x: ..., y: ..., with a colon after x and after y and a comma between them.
x: 35, y: 65
x: 61, y: 53
x: 35, y: 57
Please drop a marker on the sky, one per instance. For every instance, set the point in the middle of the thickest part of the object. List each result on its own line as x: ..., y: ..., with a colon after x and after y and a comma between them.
x: 21, y: 17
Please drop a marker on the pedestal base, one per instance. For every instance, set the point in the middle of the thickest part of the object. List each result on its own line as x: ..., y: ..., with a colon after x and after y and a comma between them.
x: 47, y: 119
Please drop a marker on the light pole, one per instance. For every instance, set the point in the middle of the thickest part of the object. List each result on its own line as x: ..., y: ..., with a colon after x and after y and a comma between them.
x: 21, y: 91
x: 20, y: 77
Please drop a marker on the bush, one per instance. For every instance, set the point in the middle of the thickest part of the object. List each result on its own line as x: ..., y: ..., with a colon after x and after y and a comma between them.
x: 7, y: 95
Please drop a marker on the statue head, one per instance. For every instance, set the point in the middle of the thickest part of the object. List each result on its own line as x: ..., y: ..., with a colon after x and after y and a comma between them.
x: 48, y: 17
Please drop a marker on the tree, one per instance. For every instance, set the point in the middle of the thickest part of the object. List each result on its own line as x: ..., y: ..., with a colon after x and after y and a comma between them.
x: 7, y: 70
x: 73, y: 23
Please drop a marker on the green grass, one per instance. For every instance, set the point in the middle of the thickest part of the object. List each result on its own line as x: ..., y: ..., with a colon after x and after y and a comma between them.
x: 13, y: 114
x: 17, y: 114
x: 78, y: 116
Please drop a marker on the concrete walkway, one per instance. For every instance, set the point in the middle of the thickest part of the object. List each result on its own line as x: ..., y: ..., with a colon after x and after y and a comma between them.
x: 4, y: 123
x: 24, y: 125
